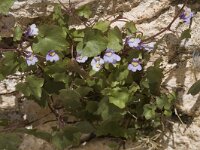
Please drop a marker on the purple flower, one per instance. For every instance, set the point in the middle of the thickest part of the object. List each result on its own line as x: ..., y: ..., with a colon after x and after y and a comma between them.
x: 31, y: 59
x: 186, y: 15
x: 111, y: 57
x: 81, y: 59
x: 32, y: 30
x: 52, y: 56
x: 148, y: 46
x: 134, y: 43
x: 135, y: 65
x: 97, y: 63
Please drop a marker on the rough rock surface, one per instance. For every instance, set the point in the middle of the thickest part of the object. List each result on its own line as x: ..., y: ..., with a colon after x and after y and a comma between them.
x: 150, y: 17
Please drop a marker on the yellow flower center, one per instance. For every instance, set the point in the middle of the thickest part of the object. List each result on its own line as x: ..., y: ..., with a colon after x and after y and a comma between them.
x: 135, y: 64
x: 97, y: 59
x: 52, y: 53
x: 31, y: 57
x: 98, y: 65
x: 109, y: 54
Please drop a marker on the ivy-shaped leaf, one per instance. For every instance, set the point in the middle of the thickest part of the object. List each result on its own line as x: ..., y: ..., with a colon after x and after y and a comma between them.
x: 93, y: 43
x: 118, y: 96
x: 130, y: 28
x: 9, y: 64
x: 32, y: 86
x: 108, y: 110
x: 83, y: 90
x: 58, y: 16
x: 84, y: 11
x: 149, y: 111
x: 50, y: 38
x: 70, y: 99
x: 154, y: 76
x: 102, y: 25
x: 115, y: 39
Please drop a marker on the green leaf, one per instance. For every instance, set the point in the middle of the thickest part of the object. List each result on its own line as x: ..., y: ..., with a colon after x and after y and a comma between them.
x: 58, y: 16
x: 35, y: 84
x: 133, y: 88
x: 9, y: 141
x: 130, y: 28
x: 84, y: 11
x: 93, y: 43
x: 118, y: 75
x: 70, y: 99
x: 62, y: 77
x: 58, y: 67
x: 59, y: 141
x: 32, y: 86
x: 185, y: 34
x: 115, y: 39
x: 50, y: 37
x: 111, y: 128
x: 149, y: 111
x: 154, y: 76
x: 17, y: 33
x: 83, y: 90
x: 5, y: 5
x: 77, y: 34
x: 53, y: 87
x: 9, y: 64
x: 195, y: 88
x: 39, y: 134
x: 102, y: 25
x: 108, y: 110
x: 72, y: 134
x: 85, y: 127
x: 92, y: 106
x: 144, y: 84
x: 118, y: 96
x: 167, y: 113
x: 161, y: 102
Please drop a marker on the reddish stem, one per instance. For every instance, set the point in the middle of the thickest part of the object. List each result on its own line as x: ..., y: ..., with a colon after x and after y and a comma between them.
x: 169, y: 26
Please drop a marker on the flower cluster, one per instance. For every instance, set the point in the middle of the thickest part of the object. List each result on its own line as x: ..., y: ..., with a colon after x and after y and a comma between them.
x: 111, y: 57
x: 97, y: 62
x: 137, y: 44
x: 31, y: 59
x: 51, y: 56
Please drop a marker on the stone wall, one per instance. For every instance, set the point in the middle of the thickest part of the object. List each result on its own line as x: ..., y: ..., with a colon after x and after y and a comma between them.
x: 150, y: 17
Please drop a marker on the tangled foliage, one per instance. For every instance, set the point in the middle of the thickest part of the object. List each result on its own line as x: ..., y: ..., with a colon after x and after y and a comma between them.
x: 98, y: 74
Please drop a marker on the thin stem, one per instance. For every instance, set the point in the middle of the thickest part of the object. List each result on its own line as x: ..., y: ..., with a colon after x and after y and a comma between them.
x: 6, y: 50
x: 169, y: 26
x: 59, y: 118
x: 64, y: 5
x: 8, y: 93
